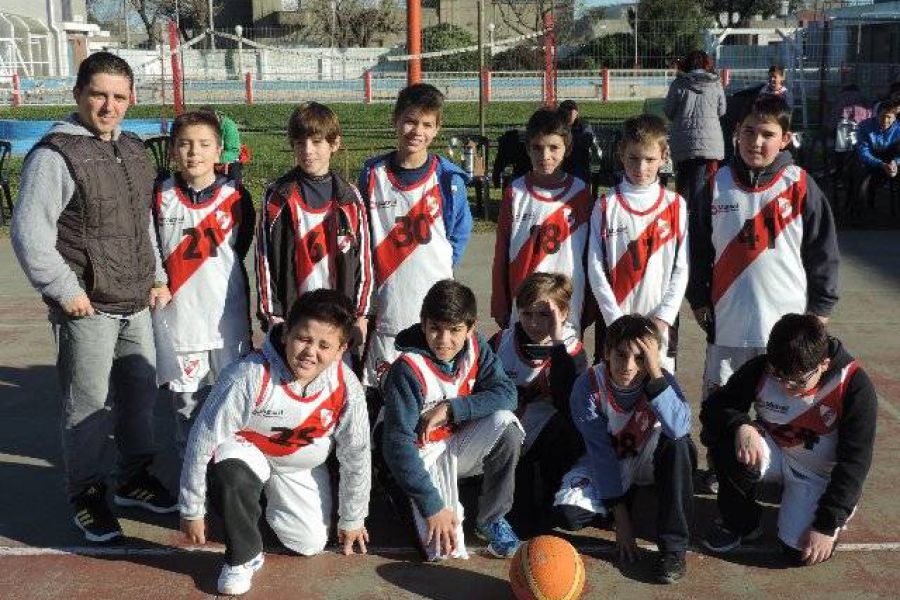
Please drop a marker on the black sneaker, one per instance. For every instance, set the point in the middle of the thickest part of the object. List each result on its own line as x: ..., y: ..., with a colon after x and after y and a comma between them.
x: 145, y: 491
x: 670, y: 567
x: 722, y: 539
x: 93, y: 516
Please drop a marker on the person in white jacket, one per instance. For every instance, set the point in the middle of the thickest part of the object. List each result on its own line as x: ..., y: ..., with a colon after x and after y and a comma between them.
x: 269, y: 425
x: 637, y: 251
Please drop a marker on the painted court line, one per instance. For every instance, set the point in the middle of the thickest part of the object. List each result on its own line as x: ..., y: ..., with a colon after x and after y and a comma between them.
x: 13, y: 551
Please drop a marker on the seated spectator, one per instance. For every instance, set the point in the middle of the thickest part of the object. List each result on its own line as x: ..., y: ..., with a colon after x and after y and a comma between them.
x: 776, y: 86
x: 851, y: 105
x: 878, y: 150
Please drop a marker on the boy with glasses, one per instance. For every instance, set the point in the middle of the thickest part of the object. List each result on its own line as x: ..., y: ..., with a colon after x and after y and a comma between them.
x: 814, y: 432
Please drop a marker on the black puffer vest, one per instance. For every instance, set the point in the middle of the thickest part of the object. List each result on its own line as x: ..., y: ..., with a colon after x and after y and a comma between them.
x: 103, y: 233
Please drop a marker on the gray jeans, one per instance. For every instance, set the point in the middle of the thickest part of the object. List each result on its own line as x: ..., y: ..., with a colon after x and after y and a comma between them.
x: 107, y: 367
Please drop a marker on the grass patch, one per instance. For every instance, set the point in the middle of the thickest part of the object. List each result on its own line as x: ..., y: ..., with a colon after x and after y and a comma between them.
x: 367, y: 130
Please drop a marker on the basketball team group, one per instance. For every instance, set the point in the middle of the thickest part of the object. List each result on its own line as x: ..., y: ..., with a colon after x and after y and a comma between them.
x: 372, y: 366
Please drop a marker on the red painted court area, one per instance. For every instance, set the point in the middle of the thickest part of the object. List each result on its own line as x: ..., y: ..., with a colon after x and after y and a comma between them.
x: 42, y: 555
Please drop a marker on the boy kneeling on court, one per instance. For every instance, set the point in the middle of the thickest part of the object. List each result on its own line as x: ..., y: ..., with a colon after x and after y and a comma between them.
x: 814, y: 432
x: 447, y: 415
x: 268, y: 426
x: 636, y: 427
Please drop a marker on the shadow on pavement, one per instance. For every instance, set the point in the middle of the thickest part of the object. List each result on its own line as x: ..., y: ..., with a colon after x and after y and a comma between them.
x: 440, y: 582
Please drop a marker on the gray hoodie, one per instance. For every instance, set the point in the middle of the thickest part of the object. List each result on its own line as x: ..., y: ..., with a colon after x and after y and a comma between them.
x: 694, y: 104
x: 45, y: 189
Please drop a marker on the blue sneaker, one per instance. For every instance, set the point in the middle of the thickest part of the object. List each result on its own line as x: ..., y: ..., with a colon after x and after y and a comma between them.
x: 502, y: 540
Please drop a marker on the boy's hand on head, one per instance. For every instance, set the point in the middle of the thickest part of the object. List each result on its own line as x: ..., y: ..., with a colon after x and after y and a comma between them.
x: 703, y: 316
x: 557, y: 323
x: 194, y: 530
x: 159, y: 297
x: 627, y: 547
x: 816, y: 546
x: 79, y: 306
x: 661, y: 326
x: 431, y: 419
x: 748, y: 445
x: 650, y: 349
x: 442, y: 531
x: 354, y: 536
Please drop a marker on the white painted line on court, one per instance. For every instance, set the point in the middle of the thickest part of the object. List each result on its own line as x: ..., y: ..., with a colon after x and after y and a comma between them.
x: 13, y: 551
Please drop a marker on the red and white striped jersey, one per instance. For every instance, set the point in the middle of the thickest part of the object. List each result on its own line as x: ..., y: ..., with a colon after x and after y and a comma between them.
x: 805, y: 427
x: 292, y: 430
x: 209, y: 306
x: 437, y: 386
x: 532, y: 375
x: 629, y: 429
x: 758, y: 273
x: 637, y: 259
x: 322, y: 240
x: 411, y: 248
x: 541, y: 231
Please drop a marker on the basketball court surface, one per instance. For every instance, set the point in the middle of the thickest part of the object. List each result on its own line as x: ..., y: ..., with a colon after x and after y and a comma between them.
x: 42, y: 555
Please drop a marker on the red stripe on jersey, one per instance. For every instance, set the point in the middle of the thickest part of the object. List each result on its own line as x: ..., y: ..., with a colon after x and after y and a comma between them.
x: 408, y: 233
x: 756, y: 236
x: 632, y: 265
x: 200, y: 243
x: 637, y: 430
x: 819, y: 419
x: 285, y: 441
x: 546, y: 239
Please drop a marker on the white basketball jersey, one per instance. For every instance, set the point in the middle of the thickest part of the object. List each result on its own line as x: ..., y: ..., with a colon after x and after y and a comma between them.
x: 437, y: 386
x: 292, y: 430
x: 640, y: 247
x: 805, y: 427
x: 208, y: 285
x: 549, y: 234
x: 532, y: 376
x: 629, y: 429
x: 758, y: 273
x: 411, y: 248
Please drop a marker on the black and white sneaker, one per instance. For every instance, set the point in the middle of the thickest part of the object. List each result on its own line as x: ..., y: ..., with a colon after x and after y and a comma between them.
x: 670, y: 567
x: 722, y: 539
x: 93, y: 516
x: 145, y: 491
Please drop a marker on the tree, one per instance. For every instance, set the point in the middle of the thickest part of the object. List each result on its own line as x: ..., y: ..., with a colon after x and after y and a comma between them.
x: 614, y: 51
x: 526, y: 56
x: 347, y: 23
x: 525, y: 17
x: 448, y: 37
x: 667, y: 29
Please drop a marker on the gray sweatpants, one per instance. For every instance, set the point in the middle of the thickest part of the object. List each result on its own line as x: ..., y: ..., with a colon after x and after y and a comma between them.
x: 105, y: 362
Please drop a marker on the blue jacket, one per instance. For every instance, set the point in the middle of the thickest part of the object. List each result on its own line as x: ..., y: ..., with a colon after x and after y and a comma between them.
x: 876, y: 145
x: 667, y: 402
x: 454, y: 197
x: 403, y: 400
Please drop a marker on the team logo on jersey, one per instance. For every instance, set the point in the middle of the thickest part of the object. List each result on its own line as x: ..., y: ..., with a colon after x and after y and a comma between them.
x: 643, y: 421
x: 433, y: 204
x: 617, y: 229
x: 525, y: 216
x: 663, y: 227
x: 828, y: 415
x: 326, y: 417
x: 190, y: 366
x: 225, y: 220
x: 569, y: 215
x: 785, y: 208
x: 723, y: 208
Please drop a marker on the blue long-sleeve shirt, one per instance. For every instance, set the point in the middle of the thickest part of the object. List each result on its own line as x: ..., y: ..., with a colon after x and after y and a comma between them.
x: 403, y: 401
x: 876, y: 145
x: 668, y: 404
x: 454, y: 198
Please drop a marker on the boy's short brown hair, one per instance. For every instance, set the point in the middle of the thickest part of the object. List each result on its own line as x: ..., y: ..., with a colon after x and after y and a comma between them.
x: 420, y: 96
x: 644, y: 130
x: 770, y: 109
x: 450, y: 302
x: 629, y: 328
x: 313, y: 120
x: 776, y: 69
x: 556, y: 286
x: 195, y: 117
x: 546, y: 121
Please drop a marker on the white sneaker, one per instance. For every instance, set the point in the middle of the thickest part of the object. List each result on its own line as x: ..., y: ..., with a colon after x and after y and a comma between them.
x: 236, y: 580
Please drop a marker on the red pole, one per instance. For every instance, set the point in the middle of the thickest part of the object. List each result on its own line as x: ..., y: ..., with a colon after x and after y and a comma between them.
x: 16, y: 90
x: 604, y: 78
x: 176, y: 68
x: 414, y: 40
x: 133, y: 100
x: 726, y: 77
x: 248, y: 85
x: 549, y: 61
x: 486, y: 83
x: 367, y: 79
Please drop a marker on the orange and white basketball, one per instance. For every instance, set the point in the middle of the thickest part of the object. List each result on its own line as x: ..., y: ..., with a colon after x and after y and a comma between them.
x: 546, y: 568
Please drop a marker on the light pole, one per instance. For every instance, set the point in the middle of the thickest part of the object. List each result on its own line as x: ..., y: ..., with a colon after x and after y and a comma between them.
x: 491, y: 28
x: 212, y: 37
x: 239, y: 32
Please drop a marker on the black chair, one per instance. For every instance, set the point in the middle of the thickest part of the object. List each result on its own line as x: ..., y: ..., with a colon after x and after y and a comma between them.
x: 512, y: 159
x: 158, y: 146
x: 6, y: 205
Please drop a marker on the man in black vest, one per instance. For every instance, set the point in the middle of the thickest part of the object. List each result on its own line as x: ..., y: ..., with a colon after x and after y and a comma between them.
x: 83, y: 235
